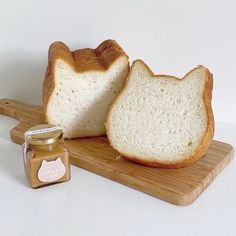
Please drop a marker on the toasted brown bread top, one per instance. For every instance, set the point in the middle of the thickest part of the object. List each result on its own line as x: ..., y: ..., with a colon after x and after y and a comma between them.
x: 87, y: 59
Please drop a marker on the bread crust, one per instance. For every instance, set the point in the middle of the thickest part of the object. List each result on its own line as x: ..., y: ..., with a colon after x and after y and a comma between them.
x: 82, y: 60
x: 206, y: 139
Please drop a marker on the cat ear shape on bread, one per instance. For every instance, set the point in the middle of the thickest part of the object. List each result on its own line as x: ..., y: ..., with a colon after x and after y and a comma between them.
x: 100, y: 58
x: 199, y: 72
x: 139, y: 68
x: 59, y: 49
x: 141, y: 71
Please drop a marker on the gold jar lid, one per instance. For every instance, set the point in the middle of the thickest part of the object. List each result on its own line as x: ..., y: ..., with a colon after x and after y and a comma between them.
x: 44, y: 138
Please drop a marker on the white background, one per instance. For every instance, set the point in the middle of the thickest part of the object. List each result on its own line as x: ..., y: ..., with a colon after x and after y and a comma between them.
x: 172, y: 37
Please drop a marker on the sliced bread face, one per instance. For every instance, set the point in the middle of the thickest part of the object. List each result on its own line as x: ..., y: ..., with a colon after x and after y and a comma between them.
x: 80, y: 87
x: 160, y: 120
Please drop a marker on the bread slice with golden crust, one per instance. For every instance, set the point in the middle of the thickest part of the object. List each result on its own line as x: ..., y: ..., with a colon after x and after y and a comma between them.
x: 80, y: 86
x: 160, y: 120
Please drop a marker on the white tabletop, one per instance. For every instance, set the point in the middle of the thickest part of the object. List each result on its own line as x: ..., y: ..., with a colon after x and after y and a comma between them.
x: 92, y: 205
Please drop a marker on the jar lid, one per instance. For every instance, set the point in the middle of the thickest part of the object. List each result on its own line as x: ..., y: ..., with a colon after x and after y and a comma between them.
x: 45, y: 137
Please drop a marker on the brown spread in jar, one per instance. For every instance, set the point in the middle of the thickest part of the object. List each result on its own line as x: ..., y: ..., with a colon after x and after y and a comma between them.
x: 46, y: 158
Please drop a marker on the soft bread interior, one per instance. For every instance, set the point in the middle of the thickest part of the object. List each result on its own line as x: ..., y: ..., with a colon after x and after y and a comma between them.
x: 80, y: 101
x: 159, y: 118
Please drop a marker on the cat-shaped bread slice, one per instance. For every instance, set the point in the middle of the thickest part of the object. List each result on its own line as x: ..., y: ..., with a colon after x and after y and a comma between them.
x: 80, y: 86
x: 160, y: 120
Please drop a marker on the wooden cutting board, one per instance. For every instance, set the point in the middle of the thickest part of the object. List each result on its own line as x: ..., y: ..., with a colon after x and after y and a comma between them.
x: 177, y: 186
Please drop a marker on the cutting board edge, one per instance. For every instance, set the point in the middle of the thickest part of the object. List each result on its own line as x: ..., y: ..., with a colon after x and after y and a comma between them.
x: 179, y: 199
x: 121, y: 179
x: 201, y: 187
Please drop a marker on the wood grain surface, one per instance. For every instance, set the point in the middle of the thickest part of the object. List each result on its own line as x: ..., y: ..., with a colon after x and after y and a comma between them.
x: 177, y: 186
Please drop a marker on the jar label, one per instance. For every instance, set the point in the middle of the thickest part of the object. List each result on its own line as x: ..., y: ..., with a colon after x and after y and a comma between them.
x: 51, y: 171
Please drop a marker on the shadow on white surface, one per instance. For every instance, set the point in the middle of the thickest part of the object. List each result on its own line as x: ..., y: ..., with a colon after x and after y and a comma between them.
x: 11, y: 165
x: 224, y: 132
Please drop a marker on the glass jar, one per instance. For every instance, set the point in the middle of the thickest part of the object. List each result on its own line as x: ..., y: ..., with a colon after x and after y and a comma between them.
x: 46, y: 159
